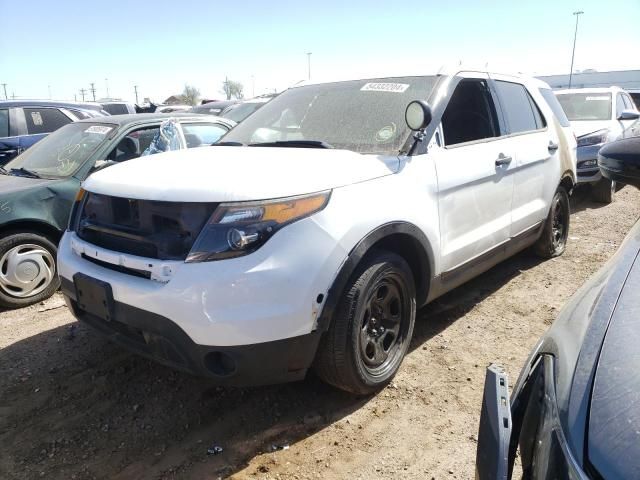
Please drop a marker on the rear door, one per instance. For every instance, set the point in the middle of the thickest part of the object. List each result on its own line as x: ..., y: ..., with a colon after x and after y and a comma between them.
x: 475, y: 175
x: 535, y: 148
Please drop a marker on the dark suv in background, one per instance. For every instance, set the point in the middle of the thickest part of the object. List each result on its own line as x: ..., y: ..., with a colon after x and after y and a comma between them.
x: 24, y: 122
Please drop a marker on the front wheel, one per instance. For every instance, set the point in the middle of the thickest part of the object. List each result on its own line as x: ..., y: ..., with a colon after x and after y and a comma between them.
x: 553, y: 240
x: 604, y: 190
x: 372, y: 327
x: 27, y: 269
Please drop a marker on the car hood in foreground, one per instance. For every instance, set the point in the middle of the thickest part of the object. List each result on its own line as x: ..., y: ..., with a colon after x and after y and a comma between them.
x: 229, y: 174
x: 577, y: 335
x: 614, y: 417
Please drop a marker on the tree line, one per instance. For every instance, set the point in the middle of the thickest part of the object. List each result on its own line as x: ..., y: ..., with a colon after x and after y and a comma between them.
x: 230, y: 88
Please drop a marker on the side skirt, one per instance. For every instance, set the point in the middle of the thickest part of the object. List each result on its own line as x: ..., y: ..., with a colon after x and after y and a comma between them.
x: 453, y: 278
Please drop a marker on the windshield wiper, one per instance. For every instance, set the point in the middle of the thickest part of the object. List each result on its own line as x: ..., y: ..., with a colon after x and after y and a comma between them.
x: 229, y: 144
x: 294, y: 144
x: 24, y: 172
x: 3, y: 170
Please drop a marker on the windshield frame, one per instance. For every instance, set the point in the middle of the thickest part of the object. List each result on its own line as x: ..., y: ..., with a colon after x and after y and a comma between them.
x: 87, y: 124
x: 433, y: 85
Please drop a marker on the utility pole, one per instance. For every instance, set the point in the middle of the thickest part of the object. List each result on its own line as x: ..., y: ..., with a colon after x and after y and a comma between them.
x: 106, y: 82
x: 253, y: 86
x: 49, y: 88
x: 4, y: 85
x: 93, y: 90
x: 575, y: 35
x: 82, y: 92
x: 135, y: 89
x: 309, y: 64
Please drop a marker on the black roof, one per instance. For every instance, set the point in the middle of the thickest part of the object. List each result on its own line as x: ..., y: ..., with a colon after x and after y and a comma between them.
x: 50, y: 103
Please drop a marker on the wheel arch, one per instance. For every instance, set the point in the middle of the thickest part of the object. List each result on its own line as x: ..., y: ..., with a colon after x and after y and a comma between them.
x: 32, y: 226
x: 402, y: 238
x: 568, y: 181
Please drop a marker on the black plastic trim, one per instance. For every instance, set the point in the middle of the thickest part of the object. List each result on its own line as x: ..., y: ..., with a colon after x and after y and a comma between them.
x: 158, y: 338
x: 360, y: 251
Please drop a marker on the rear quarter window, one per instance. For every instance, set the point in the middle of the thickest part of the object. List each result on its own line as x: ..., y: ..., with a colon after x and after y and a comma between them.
x: 555, y: 106
x: 44, y: 120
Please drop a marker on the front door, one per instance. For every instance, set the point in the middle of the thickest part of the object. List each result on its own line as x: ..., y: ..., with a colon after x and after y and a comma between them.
x: 475, y: 181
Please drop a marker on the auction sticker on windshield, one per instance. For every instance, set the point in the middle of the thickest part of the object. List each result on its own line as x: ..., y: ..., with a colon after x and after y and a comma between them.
x: 600, y: 98
x: 385, y: 87
x: 101, y: 129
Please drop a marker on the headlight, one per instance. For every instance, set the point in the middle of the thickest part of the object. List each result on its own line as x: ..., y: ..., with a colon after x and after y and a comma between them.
x: 236, y: 229
x: 73, y: 218
x: 593, y: 138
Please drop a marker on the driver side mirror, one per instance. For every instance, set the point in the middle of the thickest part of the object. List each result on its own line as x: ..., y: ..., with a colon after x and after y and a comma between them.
x: 417, y: 115
x: 620, y: 161
x: 628, y: 115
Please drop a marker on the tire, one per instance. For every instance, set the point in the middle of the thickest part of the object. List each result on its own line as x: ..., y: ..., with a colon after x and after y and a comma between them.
x: 27, y: 269
x: 603, y: 191
x: 553, y: 240
x: 361, y: 352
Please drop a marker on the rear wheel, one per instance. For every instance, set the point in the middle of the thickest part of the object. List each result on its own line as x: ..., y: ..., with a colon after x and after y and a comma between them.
x: 27, y: 269
x: 372, y: 327
x: 604, y: 190
x: 553, y: 240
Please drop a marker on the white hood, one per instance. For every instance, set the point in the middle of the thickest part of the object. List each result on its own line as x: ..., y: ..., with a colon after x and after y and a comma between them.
x: 228, y: 174
x: 584, y: 127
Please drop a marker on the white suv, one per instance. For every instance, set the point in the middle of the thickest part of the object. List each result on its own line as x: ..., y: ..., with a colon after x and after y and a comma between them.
x: 598, y: 116
x: 312, y: 233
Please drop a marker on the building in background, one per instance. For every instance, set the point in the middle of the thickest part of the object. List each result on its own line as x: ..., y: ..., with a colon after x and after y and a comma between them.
x: 627, y: 79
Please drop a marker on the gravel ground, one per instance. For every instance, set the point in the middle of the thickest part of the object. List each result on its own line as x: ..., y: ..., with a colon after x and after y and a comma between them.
x: 73, y: 406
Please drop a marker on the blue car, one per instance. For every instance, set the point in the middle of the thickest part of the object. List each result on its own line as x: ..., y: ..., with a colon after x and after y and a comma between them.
x: 24, y: 122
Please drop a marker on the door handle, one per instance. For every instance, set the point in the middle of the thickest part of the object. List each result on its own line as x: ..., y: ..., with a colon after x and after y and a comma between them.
x: 552, y: 147
x: 503, y: 160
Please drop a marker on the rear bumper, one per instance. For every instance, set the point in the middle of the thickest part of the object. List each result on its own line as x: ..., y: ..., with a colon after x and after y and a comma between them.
x: 156, y: 337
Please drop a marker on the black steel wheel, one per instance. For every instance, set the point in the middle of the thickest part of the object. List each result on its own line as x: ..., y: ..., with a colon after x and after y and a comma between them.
x: 372, y: 326
x: 553, y: 240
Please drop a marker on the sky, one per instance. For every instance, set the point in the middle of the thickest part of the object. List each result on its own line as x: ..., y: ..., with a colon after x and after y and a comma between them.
x: 53, y: 49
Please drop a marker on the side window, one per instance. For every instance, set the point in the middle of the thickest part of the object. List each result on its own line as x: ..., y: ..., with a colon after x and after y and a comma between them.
x: 521, y: 111
x: 4, y: 122
x: 470, y: 114
x: 133, y: 144
x: 619, y: 104
x: 44, y: 120
x: 202, y: 134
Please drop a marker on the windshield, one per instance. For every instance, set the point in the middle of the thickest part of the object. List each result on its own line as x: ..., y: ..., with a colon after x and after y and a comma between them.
x: 586, y: 106
x: 365, y: 116
x: 62, y: 152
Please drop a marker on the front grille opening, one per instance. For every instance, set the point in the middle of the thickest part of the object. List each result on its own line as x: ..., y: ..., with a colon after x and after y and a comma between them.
x: 119, y: 268
x: 145, y: 228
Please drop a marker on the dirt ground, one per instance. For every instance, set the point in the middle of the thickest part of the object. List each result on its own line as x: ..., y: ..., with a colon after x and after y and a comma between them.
x: 73, y: 406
